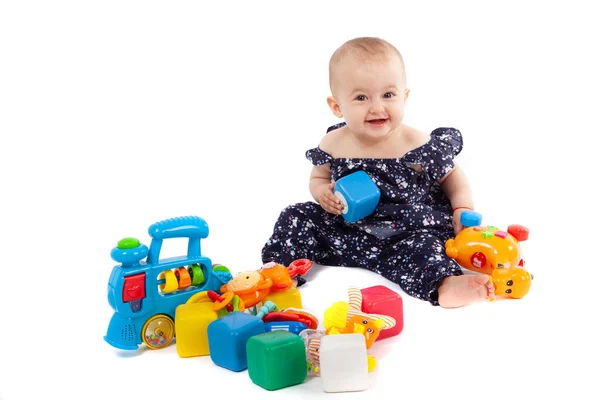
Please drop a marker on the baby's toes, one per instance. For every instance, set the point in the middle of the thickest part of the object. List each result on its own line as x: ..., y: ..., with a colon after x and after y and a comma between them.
x: 490, y: 289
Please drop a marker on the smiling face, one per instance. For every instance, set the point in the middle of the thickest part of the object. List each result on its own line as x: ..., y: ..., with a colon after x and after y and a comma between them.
x: 369, y: 94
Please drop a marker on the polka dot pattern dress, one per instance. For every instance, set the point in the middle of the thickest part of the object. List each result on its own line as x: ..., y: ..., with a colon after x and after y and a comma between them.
x: 403, y: 240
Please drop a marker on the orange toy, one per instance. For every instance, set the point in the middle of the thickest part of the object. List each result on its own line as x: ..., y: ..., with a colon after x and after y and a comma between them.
x: 278, y: 274
x: 514, y: 282
x: 253, y: 286
x: 491, y: 251
x: 346, y: 317
x: 250, y: 286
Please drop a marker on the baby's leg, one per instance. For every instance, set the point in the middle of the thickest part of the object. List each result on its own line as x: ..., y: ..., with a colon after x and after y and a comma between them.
x: 420, y: 266
x: 305, y: 230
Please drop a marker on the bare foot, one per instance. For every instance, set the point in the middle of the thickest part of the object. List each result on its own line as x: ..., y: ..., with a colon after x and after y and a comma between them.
x: 458, y: 291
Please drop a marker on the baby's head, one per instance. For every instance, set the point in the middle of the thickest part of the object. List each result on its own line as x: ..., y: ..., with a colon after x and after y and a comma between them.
x: 368, y: 86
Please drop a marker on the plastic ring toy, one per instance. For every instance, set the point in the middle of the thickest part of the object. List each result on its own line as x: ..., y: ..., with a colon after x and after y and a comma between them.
x: 196, y: 274
x: 226, y: 298
x: 183, y: 277
x: 299, y: 267
x: 170, y: 284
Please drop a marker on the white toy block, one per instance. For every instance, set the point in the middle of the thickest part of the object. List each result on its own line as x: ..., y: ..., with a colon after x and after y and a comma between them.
x: 343, y: 363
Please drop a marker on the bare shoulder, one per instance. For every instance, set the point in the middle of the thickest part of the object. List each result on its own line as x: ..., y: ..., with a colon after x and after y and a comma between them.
x: 414, y: 138
x: 332, y: 140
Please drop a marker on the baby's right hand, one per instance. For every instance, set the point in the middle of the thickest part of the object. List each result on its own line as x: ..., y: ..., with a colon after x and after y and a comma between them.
x: 329, y: 201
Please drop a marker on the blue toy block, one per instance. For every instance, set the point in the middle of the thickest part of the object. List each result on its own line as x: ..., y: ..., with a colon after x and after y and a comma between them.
x: 289, y: 326
x: 227, y: 337
x: 470, y: 218
x: 359, y: 195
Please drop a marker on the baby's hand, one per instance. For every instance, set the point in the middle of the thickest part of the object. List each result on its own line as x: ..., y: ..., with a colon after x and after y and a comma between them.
x: 329, y: 201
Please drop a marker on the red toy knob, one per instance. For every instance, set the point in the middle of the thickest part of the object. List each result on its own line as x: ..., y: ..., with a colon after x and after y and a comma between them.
x: 299, y: 267
x: 520, y: 232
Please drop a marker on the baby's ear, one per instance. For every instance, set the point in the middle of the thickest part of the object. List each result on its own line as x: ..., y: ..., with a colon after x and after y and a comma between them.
x: 335, y: 107
x: 406, y: 93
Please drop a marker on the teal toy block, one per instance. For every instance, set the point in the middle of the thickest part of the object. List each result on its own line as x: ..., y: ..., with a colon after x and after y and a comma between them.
x: 227, y: 338
x: 359, y: 195
x: 276, y: 360
x: 470, y: 218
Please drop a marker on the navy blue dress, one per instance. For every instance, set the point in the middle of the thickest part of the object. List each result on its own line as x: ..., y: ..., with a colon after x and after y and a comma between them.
x: 403, y: 240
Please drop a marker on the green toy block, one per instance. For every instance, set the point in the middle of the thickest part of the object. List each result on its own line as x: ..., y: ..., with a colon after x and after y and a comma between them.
x: 276, y: 359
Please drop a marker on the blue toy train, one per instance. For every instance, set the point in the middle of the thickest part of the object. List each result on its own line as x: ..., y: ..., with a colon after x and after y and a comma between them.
x: 145, y: 293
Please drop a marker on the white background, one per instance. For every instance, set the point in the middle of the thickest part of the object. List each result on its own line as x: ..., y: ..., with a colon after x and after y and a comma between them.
x: 117, y: 114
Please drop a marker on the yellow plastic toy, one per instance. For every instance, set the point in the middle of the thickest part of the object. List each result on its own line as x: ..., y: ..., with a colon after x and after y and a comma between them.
x: 191, y: 322
x: 494, y: 252
x: 347, y: 317
x: 291, y: 298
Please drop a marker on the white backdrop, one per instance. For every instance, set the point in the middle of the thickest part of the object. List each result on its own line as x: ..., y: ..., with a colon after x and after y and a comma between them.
x: 117, y: 114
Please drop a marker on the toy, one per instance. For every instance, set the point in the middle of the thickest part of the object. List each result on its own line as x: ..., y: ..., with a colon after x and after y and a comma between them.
x: 191, y: 322
x: 346, y: 318
x: 145, y: 293
x: 494, y: 252
x: 276, y: 360
x: 294, y: 327
x: 227, y: 339
x: 253, y: 286
x: 292, y: 315
x: 290, y: 298
x: 359, y: 195
x: 343, y: 363
x: 382, y: 300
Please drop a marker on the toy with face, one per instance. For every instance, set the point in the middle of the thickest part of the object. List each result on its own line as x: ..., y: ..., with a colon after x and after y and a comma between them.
x: 488, y: 250
x: 485, y: 248
x: 250, y: 286
x: 253, y: 286
x: 512, y: 282
x: 279, y: 275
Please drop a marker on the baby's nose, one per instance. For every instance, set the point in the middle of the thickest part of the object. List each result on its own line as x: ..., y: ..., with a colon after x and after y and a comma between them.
x: 376, y: 107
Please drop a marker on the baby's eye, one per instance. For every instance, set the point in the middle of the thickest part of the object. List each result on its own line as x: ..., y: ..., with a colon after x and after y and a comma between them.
x: 388, y: 95
x: 361, y: 97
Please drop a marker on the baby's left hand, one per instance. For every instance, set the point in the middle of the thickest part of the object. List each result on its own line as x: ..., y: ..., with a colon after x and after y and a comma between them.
x: 456, y: 220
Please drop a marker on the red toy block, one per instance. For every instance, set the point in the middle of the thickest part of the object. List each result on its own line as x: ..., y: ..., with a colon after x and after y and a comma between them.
x: 382, y: 300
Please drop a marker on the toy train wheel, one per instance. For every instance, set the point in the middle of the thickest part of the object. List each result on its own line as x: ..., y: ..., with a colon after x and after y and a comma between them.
x: 158, y: 332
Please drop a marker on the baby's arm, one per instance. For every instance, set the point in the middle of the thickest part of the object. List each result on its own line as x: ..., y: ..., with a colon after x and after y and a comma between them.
x: 321, y: 188
x: 456, y: 187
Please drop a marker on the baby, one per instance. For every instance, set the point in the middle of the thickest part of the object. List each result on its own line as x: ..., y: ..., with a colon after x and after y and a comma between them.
x: 423, y: 192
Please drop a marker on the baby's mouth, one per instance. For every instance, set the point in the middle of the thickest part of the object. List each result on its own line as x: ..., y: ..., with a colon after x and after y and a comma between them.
x: 377, y: 122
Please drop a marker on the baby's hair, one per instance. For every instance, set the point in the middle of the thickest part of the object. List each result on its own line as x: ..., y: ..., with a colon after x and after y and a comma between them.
x: 364, y: 49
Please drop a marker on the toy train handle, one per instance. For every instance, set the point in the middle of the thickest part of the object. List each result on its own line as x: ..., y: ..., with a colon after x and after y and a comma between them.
x: 192, y: 227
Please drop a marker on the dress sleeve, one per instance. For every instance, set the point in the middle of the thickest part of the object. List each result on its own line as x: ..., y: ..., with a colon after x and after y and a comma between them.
x: 438, y: 155
x: 318, y: 157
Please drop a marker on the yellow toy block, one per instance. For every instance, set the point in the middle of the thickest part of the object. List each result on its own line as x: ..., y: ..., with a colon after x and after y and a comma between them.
x: 191, y: 324
x: 290, y: 298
